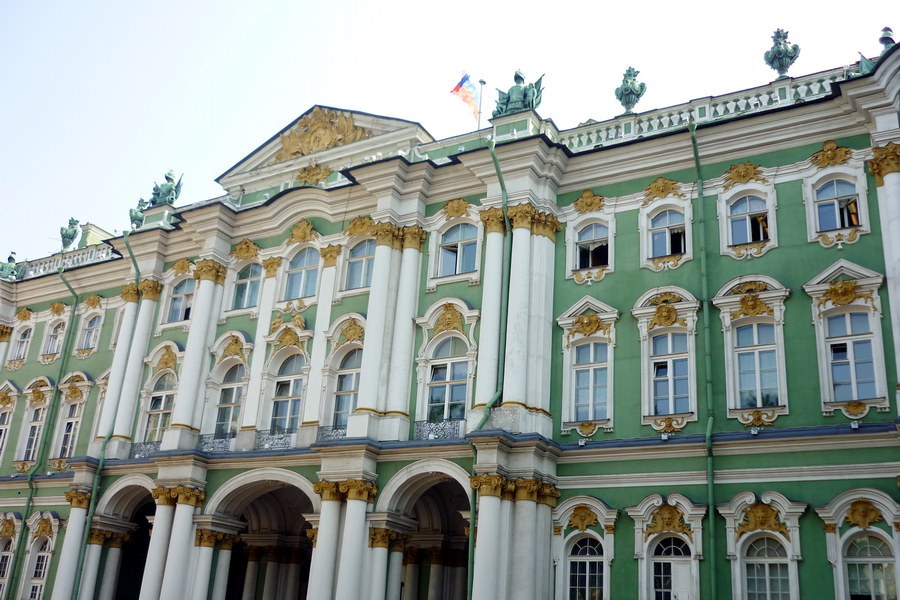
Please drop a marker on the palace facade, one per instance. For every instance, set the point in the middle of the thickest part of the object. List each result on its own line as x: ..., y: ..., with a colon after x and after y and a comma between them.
x: 653, y: 357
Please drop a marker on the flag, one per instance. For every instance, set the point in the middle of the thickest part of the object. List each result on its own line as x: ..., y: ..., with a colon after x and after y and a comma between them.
x: 468, y: 93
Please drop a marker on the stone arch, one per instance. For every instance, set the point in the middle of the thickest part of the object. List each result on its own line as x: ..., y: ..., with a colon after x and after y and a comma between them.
x: 124, y: 496
x: 254, y: 483
x: 408, y: 484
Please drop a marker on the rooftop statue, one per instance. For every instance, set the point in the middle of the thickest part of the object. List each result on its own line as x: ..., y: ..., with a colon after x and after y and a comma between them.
x: 166, y: 193
x: 519, y: 97
x: 782, y: 55
x: 137, y: 214
x: 886, y: 39
x: 630, y: 92
x: 8, y: 270
x: 68, y: 234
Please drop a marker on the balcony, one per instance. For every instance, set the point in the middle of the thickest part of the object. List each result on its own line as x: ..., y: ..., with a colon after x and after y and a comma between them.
x: 328, y: 434
x: 142, y: 450
x: 212, y: 442
x: 267, y: 439
x: 451, y: 429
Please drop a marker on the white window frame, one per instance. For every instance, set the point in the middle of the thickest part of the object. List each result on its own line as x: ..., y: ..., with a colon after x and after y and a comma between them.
x: 825, y: 304
x: 169, y: 294
x: 24, y: 344
x: 685, y: 321
x: 87, y: 347
x: 146, y: 396
x: 839, y: 531
x: 345, y: 265
x: 35, y: 551
x: 354, y: 372
x: 604, y: 332
x: 736, y: 309
x: 436, y: 227
x: 271, y: 385
x: 214, y: 396
x: 6, y: 415
x: 232, y: 282
x: 645, y: 216
x: 28, y: 421
x: 750, y: 249
x: 7, y: 555
x: 573, y: 227
x: 645, y: 542
x: 604, y: 532
x: 854, y: 172
x: 54, y: 340
x: 317, y: 268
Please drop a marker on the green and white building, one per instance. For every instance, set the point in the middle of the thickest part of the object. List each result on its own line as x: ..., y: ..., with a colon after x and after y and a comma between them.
x: 651, y: 358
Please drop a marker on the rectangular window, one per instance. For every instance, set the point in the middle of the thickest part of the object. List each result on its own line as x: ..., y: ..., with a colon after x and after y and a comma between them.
x: 34, y: 434
x: 671, y: 386
x: 852, y: 365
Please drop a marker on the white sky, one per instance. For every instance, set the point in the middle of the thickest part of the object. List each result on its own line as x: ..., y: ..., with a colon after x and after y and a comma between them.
x: 100, y: 99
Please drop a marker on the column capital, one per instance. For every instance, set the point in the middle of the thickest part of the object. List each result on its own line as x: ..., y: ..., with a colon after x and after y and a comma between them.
x: 210, y: 270
x: 188, y: 495
x: 328, y: 490
x: 358, y: 489
x: 227, y: 542
x: 527, y: 489
x: 380, y: 537
x: 207, y: 538
x: 886, y: 160
x: 548, y: 494
x: 410, y: 556
x: 98, y: 537
x: 78, y: 499
x: 330, y: 254
x: 398, y: 542
x: 493, y: 220
x: 163, y: 496
x: 413, y: 237
x: 313, y: 534
x: 508, y: 490
x: 130, y: 292
x: 117, y: 539
x: 435, y: 555
x: 487, y: 485
x: 547, y: 225
x: 253, y: 553
x: 387, y: 234
x: 150, y: 289
x: 521, y: 215
x: 5, y: 332
x: 272, y: 554
x: 271, y: 265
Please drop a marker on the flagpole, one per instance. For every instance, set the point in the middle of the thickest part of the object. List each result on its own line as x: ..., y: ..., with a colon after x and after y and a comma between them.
x: 481, y: 82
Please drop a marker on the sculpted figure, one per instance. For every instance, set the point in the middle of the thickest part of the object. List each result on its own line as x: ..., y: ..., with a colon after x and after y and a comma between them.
x: 520, y: 96
x: 782, y: 55
x: 8, y: 270
x: 137, y: 214
x: 630, y: 91
x: 68, y: 234
x: 166, y: 193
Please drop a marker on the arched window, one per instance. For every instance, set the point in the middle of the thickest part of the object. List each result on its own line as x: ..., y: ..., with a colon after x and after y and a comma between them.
x: 748, y: 219
x: 159, y: 410
x: 38, y: 575
x: 457, y: 251
x: 836, y: 205
x: 670, y: 373
x: 6, y: 554
x: 590, y: 381
x: 347, y: 389
x: 33, y: 431
x: 870, y: 569
x: 54, y: 340
x: 447, y: 381
x: 229, y: 409
x: 586, y: 570
x: 4, y: 428
x: 671, y: 569
x: 181, y: 300
x: 360, y: 261
x: 71, y: 421
x: 246, y: 287
x: 667, y: 234
x: 849, y: 340
x: 288, y: 393
x: 766, y: 570
x: 22, y: 341
x: 303, y: 271
x: 91, y: 334
x: 593, y: 246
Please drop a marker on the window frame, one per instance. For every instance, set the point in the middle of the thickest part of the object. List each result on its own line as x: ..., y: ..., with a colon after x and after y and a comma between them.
x: 646, y: 214
x: 30, y: 438
x: 238, y: 392
x: 54, y: 340
x: 574, y: 224
x: 368, y: 261
x: 458, y: 247
x: 23, y: 343
x: 304, y: 274
x: 171, y: 294
x: 354, y: 373
x: 852, y: 171
x: 424, y: 408
x: 437, y: 227
x: 277, y: 362
x: 85, y: 346
x: 246, y: 284
x: 147, y: 412
x: 727, y: 199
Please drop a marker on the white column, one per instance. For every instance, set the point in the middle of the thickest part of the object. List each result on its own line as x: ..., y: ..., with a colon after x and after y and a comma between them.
x: 205, y: 540
x: 542, y: 547
x: 270, y: 583
x: 396, y: 421
x: 435, y: 574
x: 155, y: 565
x: 71, y: 547
x: 131, y: 383
x: 395, y: 571
x: 540, y: 321
x: 291, y: 581
x: 889, y: 210
x: 487, y: 540
x: 459, y: 583
x: 379, y: 539
x: 92, y: 563
x: 324, y: 556
x: 249, y: 592
x: 111, y: 568
x: 223, y: 564
x: 361, y: 423
x: 353, y: 540
x: 516, y: 368
x: 180, y: 542
x: 182, y: 433
x: 411, y: 575
x: 315, y: 385
x: 522, y: 577
x: 390, y: 310
x: 491, y: 294
x: 507, y: 506
x: 5, y: 333
x: 119, y: 361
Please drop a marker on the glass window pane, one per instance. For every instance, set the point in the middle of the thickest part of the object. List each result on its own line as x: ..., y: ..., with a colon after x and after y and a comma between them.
x: 468, y: 258
x: 859, y: 323
x: 679, y: 342
x: 660, y: 344
x: 827, y: 212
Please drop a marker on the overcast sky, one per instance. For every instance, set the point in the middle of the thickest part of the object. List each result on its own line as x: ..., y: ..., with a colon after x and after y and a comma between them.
x: 100, y: 99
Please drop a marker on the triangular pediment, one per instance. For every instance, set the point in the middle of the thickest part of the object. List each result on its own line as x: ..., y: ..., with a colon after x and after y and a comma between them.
x: 843, y: 269
x: 325, y: 138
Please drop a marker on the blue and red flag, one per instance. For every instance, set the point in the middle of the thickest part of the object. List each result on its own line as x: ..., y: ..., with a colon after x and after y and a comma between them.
x: 468, y: 93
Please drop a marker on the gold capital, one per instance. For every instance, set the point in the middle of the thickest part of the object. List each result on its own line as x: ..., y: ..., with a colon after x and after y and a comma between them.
x: 227, y: 542
x: 386, y: 233
x: 527, y: 489
x: 493, y: 220
x: 487, y: 485
x: 435, y: 555
x: 313, y: 534
x: 328, y: 490
x: 330, y: 254
x: 98, y: 537
x: 163, y: 496
x: 150, y: 289
x: 188, y: 495
x: 5, y: 332
x: 521, y: 215
x: 207, y: 538
x: 130, y: 293
x: 78, y: 499
x: 413, y: 237
x: 210, y: 270
x: 410, y: 556
x: 398, y: 542
x: 547, y: 225
x: 886, y: 160
x: 358, y: 489
x: 271, y: 265
x: 548, y: 494
x: 380, y: 538
x: 117, y: 539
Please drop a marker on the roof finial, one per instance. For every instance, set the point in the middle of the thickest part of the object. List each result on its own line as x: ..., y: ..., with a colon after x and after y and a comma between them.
x: 782, y: 55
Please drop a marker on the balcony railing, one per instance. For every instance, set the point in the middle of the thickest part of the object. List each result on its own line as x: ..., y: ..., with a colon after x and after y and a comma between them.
x: 326, y: 434
x: 267, y: 440
x: 450, y: 429
x: 144, y: 449
x: 211, y: 442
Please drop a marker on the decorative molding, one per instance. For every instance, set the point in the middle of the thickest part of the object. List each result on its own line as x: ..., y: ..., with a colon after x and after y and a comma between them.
x: 842, y: 292
x: 761, y: 517
x: 743, y: 173
x: 669, y: 424
x: 150, y: 289
x: 93, y: 301
x: 751, y: 306
x: 270, y: 265
x: 455, y: 208
x: 24, y: 314
x: 665, y: 316
x: 235, y: 347
x: 320, y: 130
x: 863, y: 513
x: 351, y: 332
x: 167, y: 360
x: 587, y: 324
x: 360, y: 226
x: 57, y: 308
x: 582, y: 517
x: 302, y: 232
x: 588, y: 202
x: 831, y: 155
x: 182, y: 266
x: 313, y: 175
x: 245, y: 250
x: 450, y: 319
x: 661, y: 188
x: 885, y: 160
x: 130, y: 292
x: 330, y: 255
x: 5, y: 333
x: 668, y: 518
x: 493, y: 221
